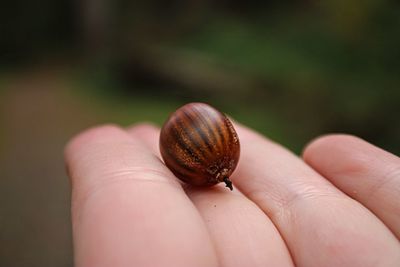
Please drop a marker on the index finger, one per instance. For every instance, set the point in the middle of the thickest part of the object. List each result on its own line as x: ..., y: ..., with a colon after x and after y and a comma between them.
x: 127, y: 208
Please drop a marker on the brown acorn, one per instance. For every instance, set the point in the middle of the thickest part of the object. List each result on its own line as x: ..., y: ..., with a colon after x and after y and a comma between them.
x: 199, y: 145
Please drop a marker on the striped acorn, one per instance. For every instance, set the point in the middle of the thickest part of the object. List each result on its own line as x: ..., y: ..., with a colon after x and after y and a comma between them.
x: 199, y: 145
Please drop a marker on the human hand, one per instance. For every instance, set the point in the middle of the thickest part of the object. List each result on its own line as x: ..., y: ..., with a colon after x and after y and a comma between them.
x: 339, y: 206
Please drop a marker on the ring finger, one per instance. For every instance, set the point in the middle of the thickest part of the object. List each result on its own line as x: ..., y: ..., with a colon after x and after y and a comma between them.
x: 320, y: 224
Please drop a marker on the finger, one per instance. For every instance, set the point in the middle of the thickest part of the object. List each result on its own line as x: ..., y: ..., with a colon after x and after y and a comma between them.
x: 149, y: 134
x: 243, y: 235
x: 366, y: 173
x: 128, y: 209
x: 320, y: 224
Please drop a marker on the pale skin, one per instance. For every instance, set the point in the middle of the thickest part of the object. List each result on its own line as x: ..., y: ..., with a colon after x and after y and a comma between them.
x: 337, y: 205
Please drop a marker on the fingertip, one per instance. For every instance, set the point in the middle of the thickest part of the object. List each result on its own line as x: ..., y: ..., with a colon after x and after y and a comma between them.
x: 143, y: 128
x: 74, y: 151
x: 325, y: 143
x: 95, y: 133
x: 336, y: 153
x: 148, y: 133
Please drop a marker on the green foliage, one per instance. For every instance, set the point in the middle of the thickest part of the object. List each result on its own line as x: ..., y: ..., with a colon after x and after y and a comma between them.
x: 305, y: 68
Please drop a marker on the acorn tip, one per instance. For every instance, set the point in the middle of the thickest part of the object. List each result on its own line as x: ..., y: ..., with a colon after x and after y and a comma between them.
x: 228, y: 183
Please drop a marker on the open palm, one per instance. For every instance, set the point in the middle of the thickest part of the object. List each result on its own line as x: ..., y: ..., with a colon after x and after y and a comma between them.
x: 338, y: 206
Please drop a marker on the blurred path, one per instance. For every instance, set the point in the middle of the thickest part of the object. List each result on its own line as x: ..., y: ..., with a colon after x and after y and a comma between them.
x: 38, y: 116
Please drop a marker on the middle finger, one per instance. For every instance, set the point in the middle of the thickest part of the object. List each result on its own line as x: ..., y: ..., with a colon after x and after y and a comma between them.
x: 242, y: 234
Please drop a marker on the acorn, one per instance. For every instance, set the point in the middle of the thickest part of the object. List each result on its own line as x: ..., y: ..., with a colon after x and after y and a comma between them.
x: 199, y: 145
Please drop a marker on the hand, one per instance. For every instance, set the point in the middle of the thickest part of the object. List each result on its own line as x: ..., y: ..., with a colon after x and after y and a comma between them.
x: 339, y: 206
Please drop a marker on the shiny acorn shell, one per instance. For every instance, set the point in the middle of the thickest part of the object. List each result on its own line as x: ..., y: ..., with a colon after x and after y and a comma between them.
x: 199, y: 145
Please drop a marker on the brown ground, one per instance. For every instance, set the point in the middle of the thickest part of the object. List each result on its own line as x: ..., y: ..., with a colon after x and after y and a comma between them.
x: 38, y: 116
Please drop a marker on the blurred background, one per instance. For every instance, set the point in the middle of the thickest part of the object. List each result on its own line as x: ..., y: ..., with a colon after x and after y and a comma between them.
x: 290, y: 69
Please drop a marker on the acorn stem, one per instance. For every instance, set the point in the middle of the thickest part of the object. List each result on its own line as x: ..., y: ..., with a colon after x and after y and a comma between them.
x: 228, y: 183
